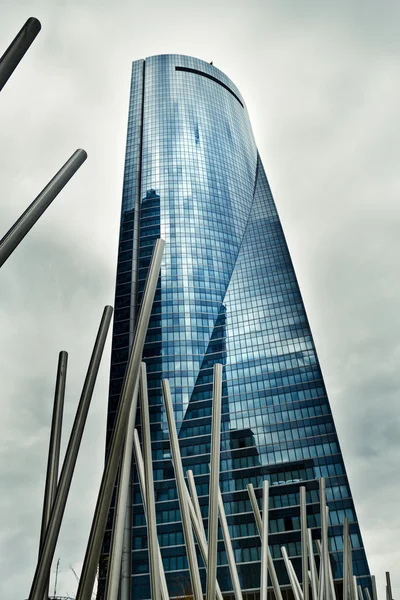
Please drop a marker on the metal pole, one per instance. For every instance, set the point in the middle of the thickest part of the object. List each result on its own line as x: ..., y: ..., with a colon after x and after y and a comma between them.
x: 271, y: 566
x: 368, y: 595
x: 389, y: 585
x: 115, y: 557
x: 313, y: 567
x: 360, y: 593
x: 304, y: 556
x: 99, y: 522
x: 182, y: 494
x: 353, y: 596
x: 197, y: 523
x: 35, y: 210
x: 374, y: 592
x: 296, y: 581
x: 264, y: 545
x: 142, y: 483
x: 43, y: 567
x: 17, y: 49
x: 214, y: 483
x: 355, y: 592
x: 346, y: 558
x: 229, y: 550
x: 149, y: 483
x: 290, y: 573
x: 54, y: 448
x: 321, y: 582
x: 324, y: 536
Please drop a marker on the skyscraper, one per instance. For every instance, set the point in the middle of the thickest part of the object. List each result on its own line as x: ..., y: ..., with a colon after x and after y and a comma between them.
x: 227, y: 294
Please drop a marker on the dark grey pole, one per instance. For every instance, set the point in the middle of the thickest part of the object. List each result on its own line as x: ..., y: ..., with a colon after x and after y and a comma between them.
x: 54, y: 447
x: 16, y: 50
x: 99, y: 522
x: 35, y: 210
x: 43, y: 567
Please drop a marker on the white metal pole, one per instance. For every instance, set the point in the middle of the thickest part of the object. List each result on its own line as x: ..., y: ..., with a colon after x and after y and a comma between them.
x: 346, y: 559
x: 229, y: 549
x: 140, y: 470
x: 182, y: 494
x: 296, y: 581
x: 324, y: 536
x: 374, y: 592
x: 99, y: 522
x: 368, y: 595
x: 149, y: 483
x: 197, y: 523
x: 115, y: 557
x: 271, y: 566
x: 264, y: 544
x: 290, y: 573
x: 214, y: 483
x: 360, y: 593
x: 313, y: 567
x: 304, y: 557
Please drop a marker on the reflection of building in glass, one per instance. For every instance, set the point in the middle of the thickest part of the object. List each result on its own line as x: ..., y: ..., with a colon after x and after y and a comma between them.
x: 227, y: 293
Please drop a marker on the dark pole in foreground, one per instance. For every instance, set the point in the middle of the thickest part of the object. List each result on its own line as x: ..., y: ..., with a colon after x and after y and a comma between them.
x: 99, y: 522
x: 43, y: 567
x: 54, y: 447
x: 35, y: 210
x: 16, y: 50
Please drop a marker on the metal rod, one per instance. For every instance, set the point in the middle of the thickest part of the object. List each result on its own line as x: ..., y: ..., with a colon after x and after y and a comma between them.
x: 17, y: 49
x: 229, y: 550
x: 368, y: 595
x: 313, y: 567
x: 296, y: 581
x: 346, y: 559
x: 389, y: 586
x: 182, y: 494
x: 54, y: 449
x: 99, y: 522
x: 264, y: 544
x: 304, y: 555
x: 355, y: 592
x: 149, y: 483
x: 115, y: 556
x: 43, y: 567
x: 360, y: 593
x: 331, y: 582
x: 352, y: 594
x: 142, y: 483
x: 324, y: 536
x: 290, y: 573
x: 321, y: 579
x: 197, y: 524
x: 35, y: 210
x: 374, y: 592
x: 271, y: 566
x: 195, y: 498
x: 214, y: 483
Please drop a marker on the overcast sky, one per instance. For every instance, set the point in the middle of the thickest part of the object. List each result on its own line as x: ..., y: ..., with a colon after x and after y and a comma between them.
x: 321, y: 82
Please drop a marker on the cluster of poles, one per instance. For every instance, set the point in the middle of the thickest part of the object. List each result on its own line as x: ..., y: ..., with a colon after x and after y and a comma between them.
x: 317, y: 584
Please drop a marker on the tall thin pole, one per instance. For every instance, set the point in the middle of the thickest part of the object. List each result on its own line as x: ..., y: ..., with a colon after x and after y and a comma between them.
x: 304, y: 555
x: 149, y: 483
x: 389, y: 586
x: 197, y: 523
x: 290, y: 573
x: 313, y: 567
x: 35, y: 210
x: 49, y: 544
x: 229, y: 550
x: 54, y: 448
x: 17, y: 49
x: 99, y: 522
x: 360, y: 593
x: 374, y: 592
x: 142, y: 484
x: 271, y: 567
x: 367, y: 594
x: 214, y: 483
x: 115, y: 556
x: 346, y: 559
x: 264, y: 544
x: 324, y: 536
x: 182, y: 494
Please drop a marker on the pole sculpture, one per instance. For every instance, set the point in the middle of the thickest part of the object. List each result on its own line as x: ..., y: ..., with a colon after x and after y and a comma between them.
x: 46, y: 556
x: 99, y: 522
x: 35, y: 210
x: 17, y: 49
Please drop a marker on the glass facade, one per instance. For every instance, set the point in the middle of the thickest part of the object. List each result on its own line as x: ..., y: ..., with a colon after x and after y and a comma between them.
x: 227, y: 294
